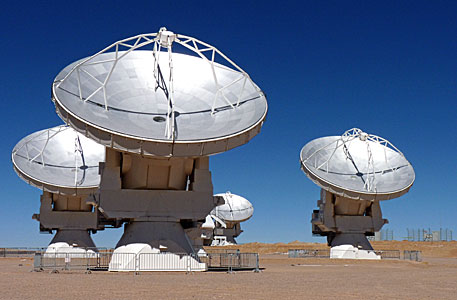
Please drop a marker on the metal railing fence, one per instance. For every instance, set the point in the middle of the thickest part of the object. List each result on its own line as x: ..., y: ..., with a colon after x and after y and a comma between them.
x: 412, y: 255
x: 118, y: 261
x: 308, y: 253
x: 210, y: 250
x: 325, y: 253
x: 388, y: 254
x: 164, y: 261
x: 18, y: 252
x: 72, y: 261
x: 169, y: 262
x: 107, y: 260
x: 232, y: 261
x: 30, y: 251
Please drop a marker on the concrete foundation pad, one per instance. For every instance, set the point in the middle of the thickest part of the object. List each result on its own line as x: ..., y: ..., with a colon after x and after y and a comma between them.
x: 351, y: 252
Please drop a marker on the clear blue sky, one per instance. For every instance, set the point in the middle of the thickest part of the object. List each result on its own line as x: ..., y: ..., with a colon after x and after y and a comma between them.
x: 387, y: 67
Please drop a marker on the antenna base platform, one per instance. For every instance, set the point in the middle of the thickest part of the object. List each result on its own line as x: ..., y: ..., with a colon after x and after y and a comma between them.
x: 347, y: 221
x: 74, y: 238
x: 165, y: 236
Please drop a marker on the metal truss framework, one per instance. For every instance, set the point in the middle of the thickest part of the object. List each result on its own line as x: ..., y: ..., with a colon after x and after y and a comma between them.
x: 163, y: 39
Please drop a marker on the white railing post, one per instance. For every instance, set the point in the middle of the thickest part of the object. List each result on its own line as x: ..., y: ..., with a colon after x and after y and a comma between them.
x: 189, y: 269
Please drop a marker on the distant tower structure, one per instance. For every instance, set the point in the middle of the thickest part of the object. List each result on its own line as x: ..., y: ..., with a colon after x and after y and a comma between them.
x: 446, y: 234
x: 383, y: 235
x: 355, y: 171
x: 429, y: 235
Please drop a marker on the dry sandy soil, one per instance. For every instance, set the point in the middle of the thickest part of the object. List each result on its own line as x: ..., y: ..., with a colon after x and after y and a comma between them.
x: 429, y: 249
x: 282, y: 278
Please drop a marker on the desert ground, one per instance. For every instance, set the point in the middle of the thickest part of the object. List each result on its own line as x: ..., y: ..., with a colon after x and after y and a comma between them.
x: 281, y: 278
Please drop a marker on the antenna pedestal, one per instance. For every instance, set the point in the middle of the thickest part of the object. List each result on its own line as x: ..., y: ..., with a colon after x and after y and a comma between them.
x: 166, y: 236
x: 68, y: 243
x: 347, y: 221
x: 358, y: 240
x: 226, y: 236
x: 75, y: 238
x: 59, y: 211
x: 163, y: 201
x: 71, y: 216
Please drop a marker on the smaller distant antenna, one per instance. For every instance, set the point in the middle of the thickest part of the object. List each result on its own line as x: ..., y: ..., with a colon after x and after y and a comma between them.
x: 228, y: 217
x: 357, y: 165
x: 50, y: 160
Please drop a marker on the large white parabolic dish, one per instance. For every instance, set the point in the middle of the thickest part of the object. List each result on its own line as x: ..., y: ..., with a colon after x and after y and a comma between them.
x: 358, y: 166
x: 236, y: 208
x: 59, y: 160
x: 160, y: 103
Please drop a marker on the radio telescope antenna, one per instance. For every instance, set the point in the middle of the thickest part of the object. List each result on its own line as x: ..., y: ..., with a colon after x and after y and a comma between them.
x: 227, y: 218
x: 64, y: 164
x: 355, y: 171
x: 44, y: 160
x: 193, y: 100
x: 161, y: 103
x: 236, y: 208
x: 357, y: 165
